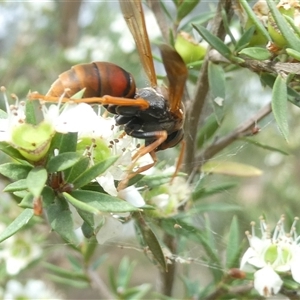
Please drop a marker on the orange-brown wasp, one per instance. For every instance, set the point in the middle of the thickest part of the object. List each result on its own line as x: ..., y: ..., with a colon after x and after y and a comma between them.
x: 153, y: 114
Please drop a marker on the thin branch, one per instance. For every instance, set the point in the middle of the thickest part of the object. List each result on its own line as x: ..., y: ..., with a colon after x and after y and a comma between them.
x: 98, y: 285
x: 219, y: 144
x: 269, y: 66
x: 196, y: 106
x: 160, y: 17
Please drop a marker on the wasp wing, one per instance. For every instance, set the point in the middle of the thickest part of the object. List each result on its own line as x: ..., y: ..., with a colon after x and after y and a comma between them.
x: 177, y: 74
x: 134, y: 16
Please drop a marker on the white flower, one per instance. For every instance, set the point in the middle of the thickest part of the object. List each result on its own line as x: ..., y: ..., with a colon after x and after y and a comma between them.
x: 132, y: 196
x: 169, y: 196
x: 33, y: 289
x: 15, y: 116
x: 269, y: 254
x: 267, y: 282
x: 17, y: 252
x: 111, y: 225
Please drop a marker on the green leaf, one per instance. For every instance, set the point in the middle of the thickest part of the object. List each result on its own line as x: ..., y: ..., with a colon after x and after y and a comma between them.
x: 77, y: 284
x: 214, y: 207
x: 234, y: 245
x: 10, y: 151
x: 285, y: 30
x: 185, y: 7
x: 245, y: 39
x: 62, y: 161
x: 125, y: 272
x: 81, y: 205
x: 207, y: 130
x: 30, y: 113
x: 36, y: 181
x: 48, y: 196
x: 152, y: 181
x: 279, y: 105
x: 199, y: 19
x: 263, y: 146
x: 252, y: 16
x: 19, y: 185
x: 22, y: 219
x: 65, y: 142
x: 216, y: 79
x: 27, y: 201
x: 70, y: 274
x: 77, y: 169
x: 61, y: 221
x: 94, y: 171
x: 214, y: 41
x: 90, y: 200
x: 293, y: 53
x: 15, y: 171
x: 230, y: 168
x: 269, y: 80
x: 151, y: 241
x: 256, y: 53
x: 202, y: 191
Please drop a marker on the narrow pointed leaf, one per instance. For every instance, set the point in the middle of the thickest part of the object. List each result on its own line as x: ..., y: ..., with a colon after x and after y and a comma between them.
x: 185, y: 8
x: 30, y: 112
x: 78, y: 168
x: 245, y: 39
x: 81, y: 205
x: 15, y: 171
x: 151, y: 241
x: 62, y: 161
x: 256, y: 53
x: 279, y: 105
x: 258, y: 24
x: 65, y: 142
x: 230, y: 168
x: 36, y: 181
x: 233, y: 248
x: 61, y: 221
x: 94, y: 171
x: 71, y: 274
x: 10, y: 151
x: 19, y: 185
x: 216, y: 79
x: 293, y: 53
x: 264, y: 146
x: 214, y: 41
x: 208, y: 129
x: 22, y: 219
x: 291, y: 38
x: 101, y: 202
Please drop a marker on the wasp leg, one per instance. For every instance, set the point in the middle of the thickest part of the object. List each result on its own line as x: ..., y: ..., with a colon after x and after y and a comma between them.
x: 160, y: 136
x: 105, y: 100
x: 179, y: 161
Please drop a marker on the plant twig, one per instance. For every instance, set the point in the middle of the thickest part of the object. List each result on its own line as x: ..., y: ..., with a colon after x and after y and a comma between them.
x: 98, y: 285
x: 196, y: 105
x: 219, y: 144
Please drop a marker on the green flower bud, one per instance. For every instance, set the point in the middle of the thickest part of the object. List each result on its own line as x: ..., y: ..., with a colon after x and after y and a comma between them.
x: 32, y: 141
x: 189, y: 50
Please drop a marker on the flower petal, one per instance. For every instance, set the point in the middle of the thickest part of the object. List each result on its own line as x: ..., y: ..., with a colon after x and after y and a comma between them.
x: 267, y: 282
x: 132, y: 196
x: 295, y: 266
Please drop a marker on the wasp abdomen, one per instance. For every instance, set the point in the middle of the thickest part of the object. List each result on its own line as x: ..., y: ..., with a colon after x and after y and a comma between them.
x: 99, y: 79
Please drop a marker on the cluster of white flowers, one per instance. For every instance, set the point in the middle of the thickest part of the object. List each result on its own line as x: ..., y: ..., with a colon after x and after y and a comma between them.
x: 33, y: 141
x: 18, y: 251
x: 272, y: 254
x: 33, y: 289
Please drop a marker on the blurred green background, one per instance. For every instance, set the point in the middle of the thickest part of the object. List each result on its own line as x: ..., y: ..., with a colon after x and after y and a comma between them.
x: 39, y: 40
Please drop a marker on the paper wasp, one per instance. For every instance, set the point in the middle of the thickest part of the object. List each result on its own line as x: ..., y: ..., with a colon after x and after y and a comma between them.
x: 153, y: 114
